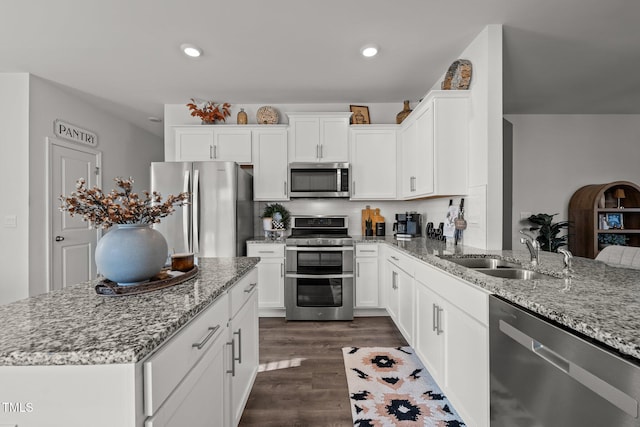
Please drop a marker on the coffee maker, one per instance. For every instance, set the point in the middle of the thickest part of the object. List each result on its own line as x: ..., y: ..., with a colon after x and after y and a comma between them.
x: 408, y: 225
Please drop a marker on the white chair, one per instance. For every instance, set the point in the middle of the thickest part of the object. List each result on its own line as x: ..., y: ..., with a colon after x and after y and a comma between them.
x: 620, y: 256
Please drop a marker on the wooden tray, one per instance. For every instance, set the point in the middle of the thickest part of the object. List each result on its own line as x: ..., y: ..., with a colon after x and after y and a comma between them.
x: 160, y: 281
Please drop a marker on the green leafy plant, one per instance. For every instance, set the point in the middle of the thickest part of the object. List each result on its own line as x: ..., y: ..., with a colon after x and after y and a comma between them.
x: 612, y: 239
x: 548, y: 231
x: 271, y: 209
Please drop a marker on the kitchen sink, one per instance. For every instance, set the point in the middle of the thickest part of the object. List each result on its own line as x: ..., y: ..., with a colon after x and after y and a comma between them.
x: 515, y: 273
x: 492, y: 263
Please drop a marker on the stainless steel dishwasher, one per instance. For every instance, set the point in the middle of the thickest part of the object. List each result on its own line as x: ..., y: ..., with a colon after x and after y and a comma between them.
x: 544, y: 376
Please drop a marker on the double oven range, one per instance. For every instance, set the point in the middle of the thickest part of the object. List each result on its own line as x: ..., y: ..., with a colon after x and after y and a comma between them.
x: 319, y: 264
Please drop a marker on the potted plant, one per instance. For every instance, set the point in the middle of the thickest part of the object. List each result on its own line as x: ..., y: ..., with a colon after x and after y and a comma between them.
x: 210, y: 111
x: 132, y: 252
x: 548, y: 231
x: 275, y: 217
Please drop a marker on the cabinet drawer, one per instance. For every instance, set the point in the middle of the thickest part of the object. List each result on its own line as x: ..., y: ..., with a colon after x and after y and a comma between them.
x: 367, y: 250
x: 402, y: 261
x: 242, y: 291
x: 265, y: 250
x: 166, y: 368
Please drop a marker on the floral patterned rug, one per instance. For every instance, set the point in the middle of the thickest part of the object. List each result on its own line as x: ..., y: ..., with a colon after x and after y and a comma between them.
x: 389, y: 387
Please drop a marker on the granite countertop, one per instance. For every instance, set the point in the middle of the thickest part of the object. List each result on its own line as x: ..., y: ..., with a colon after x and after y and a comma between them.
x: 75, y: 326
x: 599, y: 301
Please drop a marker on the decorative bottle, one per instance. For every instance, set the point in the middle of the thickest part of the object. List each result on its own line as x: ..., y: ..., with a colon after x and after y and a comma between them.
x: 242, y: 117
x: 404, y: 113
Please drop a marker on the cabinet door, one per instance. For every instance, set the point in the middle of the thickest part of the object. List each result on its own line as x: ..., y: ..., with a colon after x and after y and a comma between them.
x: 244, y: 331
x: 367, y: 282
x: 373, y: 164
x: 305, y: 139
x: 232, y: 145
x: 270, y: 165
x: 466, y: 354
x: 391, y: 290
x: 406, y: 301
x: 334, y: 139
x: 201, y: 398
x: 271, y: 283
x: 423, y: 155
x: 429, y: 341
x: 194, y: 143
x: 407, y: 148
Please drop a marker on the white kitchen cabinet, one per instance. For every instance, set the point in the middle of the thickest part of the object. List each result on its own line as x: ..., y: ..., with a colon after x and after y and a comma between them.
x: 270, y: 164
x: 270, y: 276
x: 452, y: 340
x: 373, y: 162
x: 211, y: 142
x: 434, y: 146
x: 243, y: 329
x: 400, y: 292
x: 366, y: 280
x: 319, y: 137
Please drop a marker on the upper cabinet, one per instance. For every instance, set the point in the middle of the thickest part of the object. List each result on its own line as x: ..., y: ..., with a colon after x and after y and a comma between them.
x: 211, y: 142
x: 318, y: 137
x: 373, y: 162
x: 434, y: 146
x: 270, y: 164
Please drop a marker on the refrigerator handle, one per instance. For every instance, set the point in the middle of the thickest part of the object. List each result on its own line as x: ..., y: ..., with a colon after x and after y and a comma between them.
x: 185, y: 212
x: 196, y: 211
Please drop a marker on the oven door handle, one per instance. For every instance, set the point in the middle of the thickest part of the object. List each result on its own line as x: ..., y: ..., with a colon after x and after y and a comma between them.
x: 319, y: 248
x: 319, y: 276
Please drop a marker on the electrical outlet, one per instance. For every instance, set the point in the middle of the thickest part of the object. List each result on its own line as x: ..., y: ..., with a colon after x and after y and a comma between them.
x: 10, y: 221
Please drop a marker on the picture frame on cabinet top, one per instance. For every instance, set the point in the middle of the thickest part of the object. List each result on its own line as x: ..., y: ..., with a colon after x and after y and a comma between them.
x: 360, y: 115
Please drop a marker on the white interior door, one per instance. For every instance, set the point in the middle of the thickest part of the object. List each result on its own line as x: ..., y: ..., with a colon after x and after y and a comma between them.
x: 73, y: 242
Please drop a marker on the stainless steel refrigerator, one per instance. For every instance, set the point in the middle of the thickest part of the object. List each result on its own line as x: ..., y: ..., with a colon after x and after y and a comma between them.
x: 219, y: 219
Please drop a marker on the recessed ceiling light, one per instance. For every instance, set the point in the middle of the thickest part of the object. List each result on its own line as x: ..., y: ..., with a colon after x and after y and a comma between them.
x: 191, y: 50
x: 369, y: 51
x: 154, y: 119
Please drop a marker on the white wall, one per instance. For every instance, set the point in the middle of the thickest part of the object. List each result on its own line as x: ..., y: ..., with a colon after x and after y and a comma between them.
x: 554, y: 155
x: 14, y: 190
x: 126, y: 151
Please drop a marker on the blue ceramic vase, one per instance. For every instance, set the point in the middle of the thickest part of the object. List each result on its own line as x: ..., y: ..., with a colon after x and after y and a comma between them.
x: 131, y: 254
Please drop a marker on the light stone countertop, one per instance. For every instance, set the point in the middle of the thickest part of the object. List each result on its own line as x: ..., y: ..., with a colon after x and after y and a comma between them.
x: 76, y: 326
x: 599, y: 301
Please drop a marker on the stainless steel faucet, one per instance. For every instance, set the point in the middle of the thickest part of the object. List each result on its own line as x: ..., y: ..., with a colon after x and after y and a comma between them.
x: 532, y: 244
x: 567, y: 256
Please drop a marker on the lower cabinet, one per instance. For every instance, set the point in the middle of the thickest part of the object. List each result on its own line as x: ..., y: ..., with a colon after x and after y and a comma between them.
x: 366, y: 280
x: 399, y: 293
x: 452, y: 340
x: 271, y: 276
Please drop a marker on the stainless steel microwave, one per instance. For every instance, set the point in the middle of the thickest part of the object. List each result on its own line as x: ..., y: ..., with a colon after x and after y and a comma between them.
x: 318, y: 180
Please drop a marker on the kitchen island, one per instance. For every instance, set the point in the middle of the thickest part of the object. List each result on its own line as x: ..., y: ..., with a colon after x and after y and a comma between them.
x: 599, y: 301
x: 72, y: 357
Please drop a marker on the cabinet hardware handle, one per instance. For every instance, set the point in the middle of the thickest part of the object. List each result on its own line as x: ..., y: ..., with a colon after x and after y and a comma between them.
x: 59, y: 238
x: 282, y: 269
x: 201, y: 344
x: 233, y: 358
x: 367, y: 250
x: 318, y: 150
x: 434, y: 318
x: 211, y: 151
x: 394, y: 258
x: 321, y: 151
x: 250, y: 288
x: 285, y: 188
x: 266, y: 252
x: 239, y: 334
x: 215, y: 151
x: 440, y: 330
x: 357, y: 269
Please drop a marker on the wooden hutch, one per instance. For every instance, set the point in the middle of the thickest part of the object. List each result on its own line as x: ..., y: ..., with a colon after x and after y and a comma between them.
x: 594, y: 212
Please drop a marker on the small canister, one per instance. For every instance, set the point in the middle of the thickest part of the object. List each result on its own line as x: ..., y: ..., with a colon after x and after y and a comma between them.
x: 242, y: 117
x: 380, y: 228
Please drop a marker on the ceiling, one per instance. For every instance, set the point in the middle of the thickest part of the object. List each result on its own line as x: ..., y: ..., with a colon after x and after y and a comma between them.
x: 562, y: 56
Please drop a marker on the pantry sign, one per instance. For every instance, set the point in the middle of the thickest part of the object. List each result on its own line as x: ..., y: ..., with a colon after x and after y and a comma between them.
x: 74, y: 133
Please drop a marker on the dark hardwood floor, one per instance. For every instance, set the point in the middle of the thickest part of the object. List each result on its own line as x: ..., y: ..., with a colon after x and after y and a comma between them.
x: 304, y: 382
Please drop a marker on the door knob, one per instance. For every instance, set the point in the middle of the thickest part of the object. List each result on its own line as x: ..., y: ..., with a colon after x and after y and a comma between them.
x: 59, y: 238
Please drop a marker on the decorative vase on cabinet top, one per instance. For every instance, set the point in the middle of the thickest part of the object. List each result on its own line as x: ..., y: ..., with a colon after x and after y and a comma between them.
x: 242, y: 117
x: 131, y: 253
x: 404, y: 113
